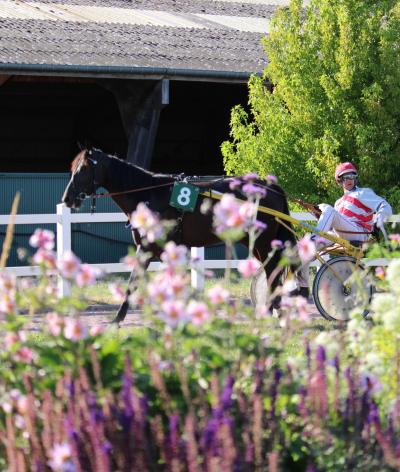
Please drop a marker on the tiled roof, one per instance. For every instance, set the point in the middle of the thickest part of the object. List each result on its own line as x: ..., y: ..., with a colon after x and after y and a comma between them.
x: 126, y: 37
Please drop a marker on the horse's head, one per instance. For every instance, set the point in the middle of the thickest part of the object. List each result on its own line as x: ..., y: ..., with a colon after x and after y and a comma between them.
x: 87, y: 176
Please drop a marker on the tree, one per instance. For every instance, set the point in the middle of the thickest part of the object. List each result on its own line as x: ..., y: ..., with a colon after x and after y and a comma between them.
x: 329, y: 93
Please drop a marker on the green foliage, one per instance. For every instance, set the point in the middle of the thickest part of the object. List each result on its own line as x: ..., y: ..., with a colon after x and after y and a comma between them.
x: 330, y: 93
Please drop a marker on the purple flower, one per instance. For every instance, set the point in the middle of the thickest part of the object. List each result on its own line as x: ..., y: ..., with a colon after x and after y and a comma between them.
x: 234, y: 184
x: 373, y: 416
x: 250, y: 177
x: 209, y: 435
x: 259, y: 225
x: 254, y: 190
x: 226, y: 396
x: 276, y: 244
x: 271, y: 179
x: 321, y: 355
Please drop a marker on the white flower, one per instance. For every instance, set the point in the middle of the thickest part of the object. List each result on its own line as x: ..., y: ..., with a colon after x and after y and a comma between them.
x: 393, y: 275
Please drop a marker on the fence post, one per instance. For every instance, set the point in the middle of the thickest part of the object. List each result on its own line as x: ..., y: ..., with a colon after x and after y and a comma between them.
x: 63, y: 244
x: 197, y: 274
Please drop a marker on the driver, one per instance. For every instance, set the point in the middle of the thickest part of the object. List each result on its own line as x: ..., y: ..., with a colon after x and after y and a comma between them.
x: 353, y: 217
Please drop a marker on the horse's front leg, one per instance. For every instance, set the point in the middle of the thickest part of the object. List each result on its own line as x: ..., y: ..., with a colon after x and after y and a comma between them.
x: 132, y: 285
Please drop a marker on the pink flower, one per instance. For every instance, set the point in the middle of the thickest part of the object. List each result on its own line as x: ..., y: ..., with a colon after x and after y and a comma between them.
x: 249, y: 267
x: 174, y: 255
x: 55, y: 323
x: 7, y: 302
x: 74, y: 330
x: 173, y: 312
x: 159, y: 289
x: 10, y: 339
x: 306, y: 248
x: 96, y: 330
x: 247, y: 211
x: 395, y: 237
x: 7, y: 282
x: 198, y: 312
x: 87, y: 275
x: 178, y: 285
x: 22, y: 404
x: 230, y: 213
x: 218, y: 295
x: 143, y: 217
x: 60, y: 458
x: 131, y: 261
x: 302, y: 309
x: 68, y: 265
x: 42, y: 238
x: 45, y: 258
x: 147, y: 223
x: 380, y: 273
x: 25, y: 354
x: 117, y: 292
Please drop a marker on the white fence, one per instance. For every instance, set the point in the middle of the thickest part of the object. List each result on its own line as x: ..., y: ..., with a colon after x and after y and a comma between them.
x: 64, y: 219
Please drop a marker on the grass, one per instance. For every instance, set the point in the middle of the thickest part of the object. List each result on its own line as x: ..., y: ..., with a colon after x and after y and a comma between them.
x: 100, y: 293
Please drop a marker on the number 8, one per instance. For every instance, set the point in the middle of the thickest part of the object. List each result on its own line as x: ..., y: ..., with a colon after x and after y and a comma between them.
x: 184, y: 196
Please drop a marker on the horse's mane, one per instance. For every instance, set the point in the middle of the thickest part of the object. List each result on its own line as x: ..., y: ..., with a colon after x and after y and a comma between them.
x: 82, y: 155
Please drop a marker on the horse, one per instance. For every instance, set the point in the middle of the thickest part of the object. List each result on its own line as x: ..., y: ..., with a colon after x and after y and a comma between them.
x: 128, y: 184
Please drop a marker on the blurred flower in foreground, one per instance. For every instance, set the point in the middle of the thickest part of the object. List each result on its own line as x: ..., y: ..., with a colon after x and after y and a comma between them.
x: 75, y: 330
x: 42, y: 238
x: 249, y: 267
x: 271, y: 179
x: 380, y: 273
x: 306, y: 248
x: 87, y: 275
x: 45, y: 258
x: 117, y: 292
x: 147, y: 223
x: 68, y: 265
x: 276, y: 244
x: 174, y: 255
x: 60, y: 458
x: 55, y: 323
x: 218, y: 295
x: 198, y: 312
x: 173, y: 312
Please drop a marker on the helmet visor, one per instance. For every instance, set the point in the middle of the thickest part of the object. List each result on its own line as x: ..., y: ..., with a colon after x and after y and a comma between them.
x: 350, y: 176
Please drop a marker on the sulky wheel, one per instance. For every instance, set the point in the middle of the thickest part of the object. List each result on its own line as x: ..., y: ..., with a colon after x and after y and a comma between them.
x: 335, y: 299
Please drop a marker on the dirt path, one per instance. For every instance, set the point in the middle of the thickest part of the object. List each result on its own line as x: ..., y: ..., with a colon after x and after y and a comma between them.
x: 104, y: 314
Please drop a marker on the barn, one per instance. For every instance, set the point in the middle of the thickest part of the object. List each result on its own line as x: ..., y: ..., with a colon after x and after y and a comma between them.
x: 152, y: 81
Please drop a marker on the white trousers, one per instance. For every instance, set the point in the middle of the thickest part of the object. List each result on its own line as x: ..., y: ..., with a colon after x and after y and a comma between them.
x: 329, y: 220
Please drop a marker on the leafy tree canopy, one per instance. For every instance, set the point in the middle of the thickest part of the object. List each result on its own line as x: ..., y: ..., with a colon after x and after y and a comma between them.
x: 330, y: 93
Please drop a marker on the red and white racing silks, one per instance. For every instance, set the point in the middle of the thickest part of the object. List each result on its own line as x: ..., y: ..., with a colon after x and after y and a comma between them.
x: 359, y: 206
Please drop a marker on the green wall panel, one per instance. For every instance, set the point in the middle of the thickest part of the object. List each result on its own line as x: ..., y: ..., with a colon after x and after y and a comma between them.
x: 92, y: 242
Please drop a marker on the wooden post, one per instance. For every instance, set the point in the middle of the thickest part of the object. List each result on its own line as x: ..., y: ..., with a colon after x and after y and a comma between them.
x: 197, y: 274
x: 63, y: 244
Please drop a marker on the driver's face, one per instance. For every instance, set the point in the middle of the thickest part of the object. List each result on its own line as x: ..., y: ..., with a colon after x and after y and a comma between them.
x: 348, y: 182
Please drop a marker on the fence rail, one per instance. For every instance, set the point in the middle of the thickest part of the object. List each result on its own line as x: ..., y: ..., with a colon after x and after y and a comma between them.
x: 64, y: 219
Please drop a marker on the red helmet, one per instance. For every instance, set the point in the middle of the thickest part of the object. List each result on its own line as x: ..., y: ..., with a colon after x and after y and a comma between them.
x: 345, y: 168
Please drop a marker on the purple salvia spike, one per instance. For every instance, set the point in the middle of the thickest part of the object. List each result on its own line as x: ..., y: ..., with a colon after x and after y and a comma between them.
x: 173, y: 436
x: 320, y: 356
x: 226, y: 395
x: 209, y: 436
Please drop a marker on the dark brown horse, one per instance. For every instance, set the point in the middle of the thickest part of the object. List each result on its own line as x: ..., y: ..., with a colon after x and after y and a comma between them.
x: 93, y: 168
